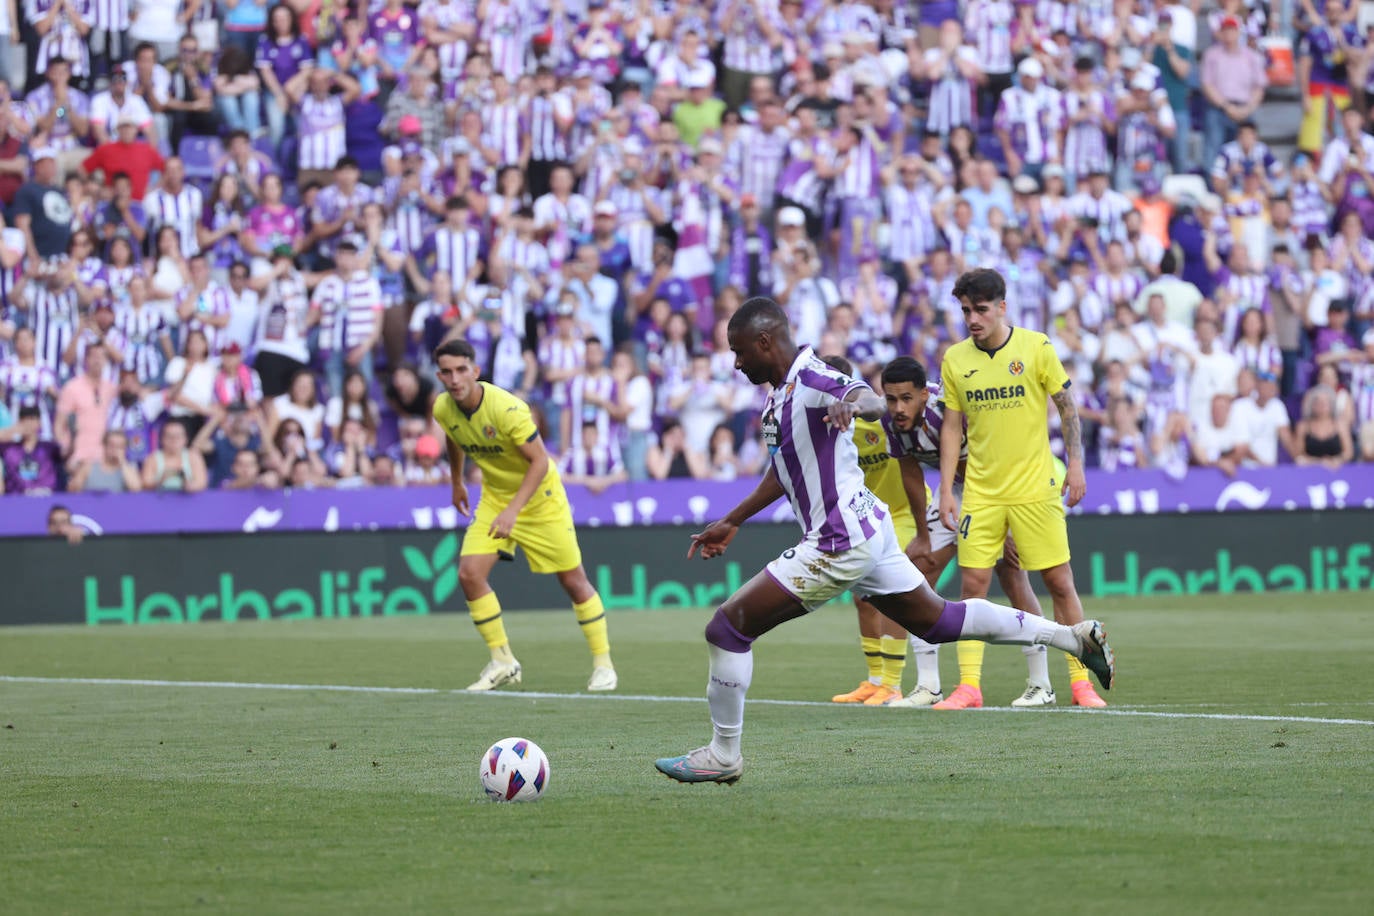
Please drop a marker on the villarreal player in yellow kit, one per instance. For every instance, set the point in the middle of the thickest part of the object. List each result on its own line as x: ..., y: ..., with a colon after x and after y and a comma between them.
x: 523, y: 504
x: 1002, y: 379
x: 883, y: 641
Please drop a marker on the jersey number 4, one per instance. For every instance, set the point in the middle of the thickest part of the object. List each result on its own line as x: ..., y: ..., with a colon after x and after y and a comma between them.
x: 964, y: 526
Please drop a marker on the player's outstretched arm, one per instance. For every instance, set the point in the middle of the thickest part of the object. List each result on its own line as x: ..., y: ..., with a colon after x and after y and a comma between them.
x: 713, y: 540
x: 1075, y: 482
x: 861, y: 402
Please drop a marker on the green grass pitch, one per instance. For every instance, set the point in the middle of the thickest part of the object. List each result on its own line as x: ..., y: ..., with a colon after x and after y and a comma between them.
x: 180, y: 799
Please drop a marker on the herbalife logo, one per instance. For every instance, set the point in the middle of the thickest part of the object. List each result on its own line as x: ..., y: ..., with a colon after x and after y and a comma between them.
x: 371, y: 591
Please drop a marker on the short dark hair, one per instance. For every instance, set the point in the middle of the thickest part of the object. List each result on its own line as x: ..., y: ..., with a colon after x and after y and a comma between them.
x: 759, y: 314
x: 456, y: 202
x: 346, y: 162
x: 455, y: 347
x: 839, y: 364
x: 28, y: 411
x: 980, y: 285
x: 904, y: 369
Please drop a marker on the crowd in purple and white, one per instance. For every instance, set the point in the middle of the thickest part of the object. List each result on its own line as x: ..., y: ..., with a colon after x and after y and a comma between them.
x: 233, y: 232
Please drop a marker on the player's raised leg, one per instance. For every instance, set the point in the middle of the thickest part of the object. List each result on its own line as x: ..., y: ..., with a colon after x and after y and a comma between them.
x: 759, y: 606
x: 485, y: 609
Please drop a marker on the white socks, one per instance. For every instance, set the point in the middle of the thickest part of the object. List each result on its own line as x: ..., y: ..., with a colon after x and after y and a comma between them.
x: 1004, y: 626
x: 730, y: 675
x: 927, y: 663
x: 1037, y: 665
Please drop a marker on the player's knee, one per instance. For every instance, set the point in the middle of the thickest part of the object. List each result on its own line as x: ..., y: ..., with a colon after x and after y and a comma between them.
x: 1059, y: 580
x: 471, y: 578
x: 723, y: 635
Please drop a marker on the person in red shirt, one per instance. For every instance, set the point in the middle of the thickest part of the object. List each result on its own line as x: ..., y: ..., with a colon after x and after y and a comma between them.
x: 128, y: 154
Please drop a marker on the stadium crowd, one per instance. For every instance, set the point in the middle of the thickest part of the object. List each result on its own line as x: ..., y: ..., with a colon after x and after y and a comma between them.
x: 233, y: 232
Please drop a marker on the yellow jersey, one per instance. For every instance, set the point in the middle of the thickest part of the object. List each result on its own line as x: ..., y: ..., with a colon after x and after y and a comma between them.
x: 1004, y: 394
x: 882, y: 476
x: 492, y: 435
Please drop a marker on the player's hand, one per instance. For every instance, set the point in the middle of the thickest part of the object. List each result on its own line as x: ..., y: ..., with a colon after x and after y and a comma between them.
x: 841, y: 413
x: 1075, y: 484
x: 713, y: 540
x: 502, y: 525
x: 1010, y: 554
x: 949, y: 511
x: 460, y: 498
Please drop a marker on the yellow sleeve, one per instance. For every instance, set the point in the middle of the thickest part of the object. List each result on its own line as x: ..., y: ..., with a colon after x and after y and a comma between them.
x: 513, y: 419
x: 1049, y: 369
x: 949, y: 384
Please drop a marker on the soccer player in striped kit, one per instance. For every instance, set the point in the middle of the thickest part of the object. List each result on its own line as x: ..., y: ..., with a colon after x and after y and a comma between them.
x: 848, y: 542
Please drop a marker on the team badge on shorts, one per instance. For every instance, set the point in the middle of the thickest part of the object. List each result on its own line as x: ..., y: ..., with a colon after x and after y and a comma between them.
x: 1016, y: 367
x: 489, y: 431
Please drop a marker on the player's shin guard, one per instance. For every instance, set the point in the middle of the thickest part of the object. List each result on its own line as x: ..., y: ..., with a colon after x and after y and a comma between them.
x: 980, y: 619
x: 732, y: 668
x: 591, y: 616
x: 893, y: 657
x: 927, y: 659
x: 873, y: 657
x: 486, y: 616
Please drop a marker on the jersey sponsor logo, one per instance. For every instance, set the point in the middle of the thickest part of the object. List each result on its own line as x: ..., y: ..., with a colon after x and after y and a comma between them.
x: 473, y: 448
x: 995, y: 393
x: 866, y: 461
x: 1016, y: 367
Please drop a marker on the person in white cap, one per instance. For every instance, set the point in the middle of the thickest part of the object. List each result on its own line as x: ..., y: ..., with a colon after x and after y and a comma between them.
x: 1027, y: 121
x: 1145, y: 125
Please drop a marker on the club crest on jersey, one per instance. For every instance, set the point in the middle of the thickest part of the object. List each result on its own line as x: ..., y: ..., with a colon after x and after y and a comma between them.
x: 871, y: 437
x: 489, y: 431
x: 1016, y: 367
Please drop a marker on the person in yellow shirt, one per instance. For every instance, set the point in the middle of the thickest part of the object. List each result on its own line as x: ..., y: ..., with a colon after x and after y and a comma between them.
x: 1002, y: 378
x: 523, y: 504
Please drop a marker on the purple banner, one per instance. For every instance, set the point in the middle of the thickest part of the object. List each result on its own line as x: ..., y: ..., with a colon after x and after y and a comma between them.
x: 670, y: 502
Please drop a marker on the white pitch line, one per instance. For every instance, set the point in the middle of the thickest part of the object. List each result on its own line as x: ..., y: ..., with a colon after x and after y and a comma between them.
x: 640, y: 698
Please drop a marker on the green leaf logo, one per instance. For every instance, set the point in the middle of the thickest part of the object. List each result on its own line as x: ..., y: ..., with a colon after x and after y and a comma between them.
x: 418, y: 563
x: 442, y: 564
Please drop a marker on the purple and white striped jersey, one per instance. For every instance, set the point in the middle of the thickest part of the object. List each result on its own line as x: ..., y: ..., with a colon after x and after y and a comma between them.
x: 61, y: 136
x: 1109, y: 210
x: 817, y: 465
x: 911, y: 227
x: 144, y: 328
x: 504, y: 132
x: 1086, y: 148
x: 53, y: 318
x: 212, y: 301
x: 1031, y: 121
x: 745, y: 47
x: 33, y: 385
x: 602, y: 385
x: 1057, y: 15
x: 110, y: 14
x: 87, y: 338
x: 564, y: 220
x: 859, y: 179
x: 798, y: 181
x: 63, y: 39
x: 1259, y: 357
x: 1137, y: 139
x: 989, y: 22
x: 558, y: 353
x: 602, y: 461
x: 547, y: 141
x: 449, y: 16
x: 332, y: 203
x: 1258, y: 158
x: 504, y: 29
x: 922, y: 441
x: 755, y: 161
x: 1027, y: 291
x: 952, y: 97
x: 320, y: 123
x: 1116, y: 288
x: 349, y: 310
x: 1362, y: 389
x: 182, y: 210
x: 410, y: 219
x: 454, y: 251
x: 1248, y: 290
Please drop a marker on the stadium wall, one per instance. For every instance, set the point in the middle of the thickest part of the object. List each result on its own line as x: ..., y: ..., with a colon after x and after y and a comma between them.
x: 193, y: 578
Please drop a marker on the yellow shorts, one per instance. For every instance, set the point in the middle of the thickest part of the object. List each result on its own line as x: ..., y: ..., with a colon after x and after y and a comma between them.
x: 1040, y: 531
x: 906, y: 531
x: 544, y: 529
x: 1319, y: 120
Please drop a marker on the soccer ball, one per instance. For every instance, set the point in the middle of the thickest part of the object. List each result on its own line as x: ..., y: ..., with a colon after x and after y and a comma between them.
x: 514, y: 769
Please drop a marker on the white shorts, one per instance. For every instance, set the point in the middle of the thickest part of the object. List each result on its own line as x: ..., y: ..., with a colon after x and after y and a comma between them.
x: 878, y: 566
x: 940, y: 536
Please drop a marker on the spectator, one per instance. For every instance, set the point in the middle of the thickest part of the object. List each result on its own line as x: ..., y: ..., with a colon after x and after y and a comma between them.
x: 174, y: 467
x: 408, y: 394
x: 230, y: 432
x: 176, y: 204
x: 112, y: 472
x: 424, y: 467
x: 671, y: 458
x: 83, y: 409
x: 281, y: 342
x: 354, y: 403
x: 348, y: 307
x: 1233, y: 81
x: 290, y: 456
x: 59, y: 112
x: 245, y: 473
x: 281, y: 54
x: 301, y: 403
x: 203, y: 305
x: 272, y: 226
x: 218, y: 232
x: 1218, y: 439
x: 118, y: 104
x: 135, y: 416
x: 32, y: 465
x: 60, y: 524
x: 349, y: 458
x: 1263, y: 420
x: 191, y: 384
x: 243, y: 308
x: 1320, y: 438
x: 592, y: 463
x: 41, y: 210
x: 236, y: 384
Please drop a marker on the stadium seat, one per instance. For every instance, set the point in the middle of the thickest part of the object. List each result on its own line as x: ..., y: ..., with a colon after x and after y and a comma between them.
x: 199, y: 155
x: 263, y: 145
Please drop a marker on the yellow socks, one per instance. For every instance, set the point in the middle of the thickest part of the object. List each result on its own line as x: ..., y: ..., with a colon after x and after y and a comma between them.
x: 970, y: 655
x: 893, y: 651
x: 873, y: 657
x: 1077, y: 670
x: 486, y: 616
x: 591, y: 616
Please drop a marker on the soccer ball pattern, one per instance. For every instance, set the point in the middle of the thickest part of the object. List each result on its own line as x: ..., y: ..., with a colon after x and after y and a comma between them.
x: 514, y: 769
